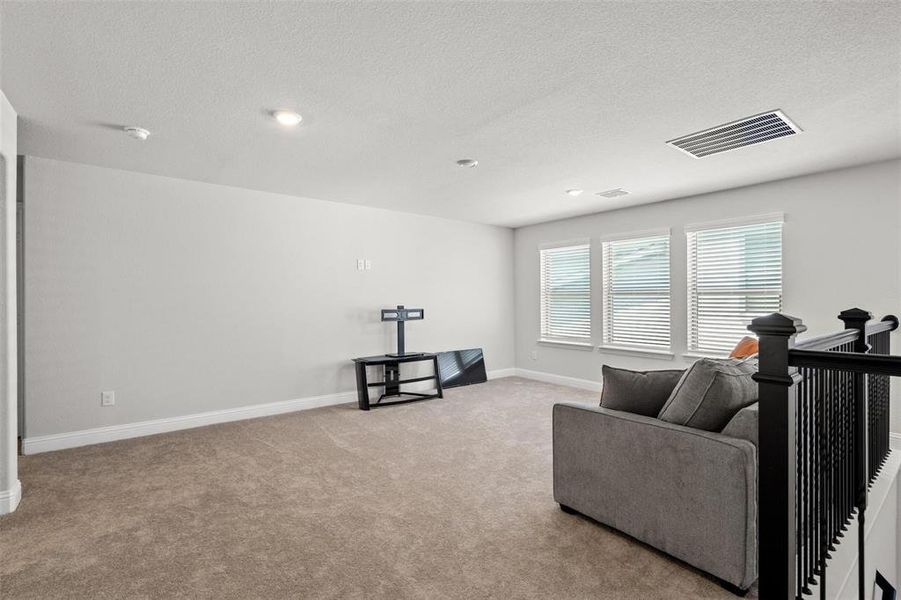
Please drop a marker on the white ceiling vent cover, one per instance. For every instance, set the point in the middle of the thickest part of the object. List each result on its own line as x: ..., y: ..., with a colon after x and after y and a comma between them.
x: 764, y: 127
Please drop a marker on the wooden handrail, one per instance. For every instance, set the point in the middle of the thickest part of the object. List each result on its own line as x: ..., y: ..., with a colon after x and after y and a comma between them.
x: 830, y: 340
x: 888, y: 323
x: 833, y: 340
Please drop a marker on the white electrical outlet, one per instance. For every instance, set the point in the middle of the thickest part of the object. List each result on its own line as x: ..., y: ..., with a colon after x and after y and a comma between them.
x: 107, y: 398
x: 361, y: 264
x: 534, y: 354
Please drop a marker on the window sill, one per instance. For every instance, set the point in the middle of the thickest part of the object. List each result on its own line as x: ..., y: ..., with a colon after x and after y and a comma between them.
x: 565, y: 344
x: 703, y: 355
x: 661, y: 354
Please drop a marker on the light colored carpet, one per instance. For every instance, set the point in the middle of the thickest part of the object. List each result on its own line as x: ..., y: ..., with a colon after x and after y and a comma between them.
x: 439, y: 499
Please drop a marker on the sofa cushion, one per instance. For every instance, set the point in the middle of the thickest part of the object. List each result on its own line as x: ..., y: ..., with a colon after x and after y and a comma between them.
x: 744, y: 424
x: 638, y: 392
x: 710, y: 393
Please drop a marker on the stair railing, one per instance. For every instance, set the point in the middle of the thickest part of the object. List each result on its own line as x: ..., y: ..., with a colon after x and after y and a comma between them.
x: 823, y: 438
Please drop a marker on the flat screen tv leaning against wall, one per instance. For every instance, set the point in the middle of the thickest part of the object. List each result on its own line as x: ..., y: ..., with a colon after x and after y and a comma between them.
x: 461, y: 367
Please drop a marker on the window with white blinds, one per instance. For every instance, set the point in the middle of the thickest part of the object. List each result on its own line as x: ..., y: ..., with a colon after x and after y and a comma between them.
x: 566, y: 293
x: 636, y: 275
x: 734, y: 275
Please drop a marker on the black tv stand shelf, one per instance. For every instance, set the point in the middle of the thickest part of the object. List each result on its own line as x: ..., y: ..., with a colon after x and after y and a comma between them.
x: 392, y: 380
x: 402, y: 381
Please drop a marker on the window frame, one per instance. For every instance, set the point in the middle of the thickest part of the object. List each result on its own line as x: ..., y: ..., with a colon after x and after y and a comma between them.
x: 564, y: 341
x: 691, y: 273
x: 649, y: 349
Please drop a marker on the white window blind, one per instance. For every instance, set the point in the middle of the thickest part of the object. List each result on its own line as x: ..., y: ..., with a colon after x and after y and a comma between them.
x: 636, y: 276
x: 734, y: 275
x: 566, y: 293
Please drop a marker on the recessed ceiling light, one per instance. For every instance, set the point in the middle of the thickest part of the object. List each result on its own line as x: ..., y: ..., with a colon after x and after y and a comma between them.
x: 137, y: 133
x: 287, y: 118
x: 574, y: 192
x: 614, y: 193
x: 468, y: 162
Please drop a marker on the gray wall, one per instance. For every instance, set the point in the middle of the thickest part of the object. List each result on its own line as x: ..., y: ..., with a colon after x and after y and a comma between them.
x: 186, y: 297
x: 840, y: 250
x: 8, y: 370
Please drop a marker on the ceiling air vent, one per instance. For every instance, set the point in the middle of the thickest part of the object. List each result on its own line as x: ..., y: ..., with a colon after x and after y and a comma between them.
x: 745, y: 132
x: 613, y: 193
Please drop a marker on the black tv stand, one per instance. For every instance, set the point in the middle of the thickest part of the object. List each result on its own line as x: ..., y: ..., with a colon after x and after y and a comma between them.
x: 392, y: 381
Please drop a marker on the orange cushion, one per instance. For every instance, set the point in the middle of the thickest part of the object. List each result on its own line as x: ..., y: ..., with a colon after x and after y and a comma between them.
x: 746, y: 347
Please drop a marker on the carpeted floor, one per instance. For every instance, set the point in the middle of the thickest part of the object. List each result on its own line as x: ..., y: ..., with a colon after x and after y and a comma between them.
x: 439, y: 499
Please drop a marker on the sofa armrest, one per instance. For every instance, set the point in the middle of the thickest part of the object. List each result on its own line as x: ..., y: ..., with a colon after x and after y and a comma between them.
x: 688, y: 492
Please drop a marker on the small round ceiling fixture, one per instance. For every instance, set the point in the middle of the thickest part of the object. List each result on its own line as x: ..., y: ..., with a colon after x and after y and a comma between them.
x: 287, y: 118
x: 468, y: 162
x: 137, y: 133
x: 574, y: 192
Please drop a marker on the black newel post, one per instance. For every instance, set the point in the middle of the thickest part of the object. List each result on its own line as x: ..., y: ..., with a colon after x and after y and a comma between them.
x: 856, y: 318
x: 776, y: 431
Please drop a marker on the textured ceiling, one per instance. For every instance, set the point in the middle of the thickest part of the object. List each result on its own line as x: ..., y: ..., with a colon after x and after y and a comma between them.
x: 546, y: 96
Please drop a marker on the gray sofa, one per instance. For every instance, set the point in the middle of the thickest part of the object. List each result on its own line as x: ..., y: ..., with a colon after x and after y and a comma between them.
x: 688, y: 492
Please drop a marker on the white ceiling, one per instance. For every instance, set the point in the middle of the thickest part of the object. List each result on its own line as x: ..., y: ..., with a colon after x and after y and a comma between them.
x: 547, y: 96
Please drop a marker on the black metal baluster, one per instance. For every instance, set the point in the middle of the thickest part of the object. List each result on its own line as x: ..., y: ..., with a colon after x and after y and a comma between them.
x: 837, y: 466
x: 810, y: 481
x: 831, y: 458
x: 840, y: 453
x: 799, y: 495
x: 882, y: 397
x: 849, y: 450
x: 804, y: 478
x: 802, y: 495
x: 822, y: 464
x: 843, y: 449
x: 886, y: 408
x: 846, y: 426
x: 886, y: 403
x: 872, y: 420
x: 816, y: 408
x: 815, y: 471
x: 840, y: 466
x: 881, y: 384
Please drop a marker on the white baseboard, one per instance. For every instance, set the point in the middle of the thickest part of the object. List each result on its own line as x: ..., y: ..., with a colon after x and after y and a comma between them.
x: 499, y: 373
x: 585, y: 384
x: 9, y: 499
x: 111, y: 433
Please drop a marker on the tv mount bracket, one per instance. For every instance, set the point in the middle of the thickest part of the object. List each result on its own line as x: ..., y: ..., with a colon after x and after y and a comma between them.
x: 400, y: 315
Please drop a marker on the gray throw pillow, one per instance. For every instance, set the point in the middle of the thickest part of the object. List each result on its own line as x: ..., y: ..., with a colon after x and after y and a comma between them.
x: 710, y: 392
x: 639, y: 392
x: 744, y: 424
